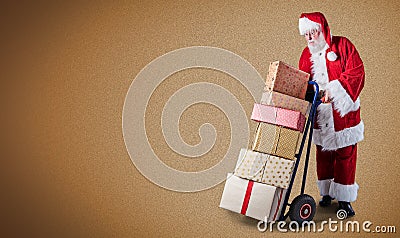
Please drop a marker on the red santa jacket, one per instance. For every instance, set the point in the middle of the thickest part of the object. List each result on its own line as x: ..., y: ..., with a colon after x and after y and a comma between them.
x: 338, y: 123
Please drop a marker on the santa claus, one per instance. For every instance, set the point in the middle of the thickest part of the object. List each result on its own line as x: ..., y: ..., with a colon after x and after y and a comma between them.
x: 336, y: 66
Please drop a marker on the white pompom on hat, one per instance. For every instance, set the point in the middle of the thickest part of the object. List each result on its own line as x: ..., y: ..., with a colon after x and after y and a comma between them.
x: 316, y: 20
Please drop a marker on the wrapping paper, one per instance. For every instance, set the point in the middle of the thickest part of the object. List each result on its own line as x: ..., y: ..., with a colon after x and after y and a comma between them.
x: 247, y: 197
x: 277, y: 204
x: 281, y: 100
x: 250, y: 165
x: 276, y: 140
x: 278, y: 116
x: 286, y: 79
x: 278, y: 172
x: 264, y: 168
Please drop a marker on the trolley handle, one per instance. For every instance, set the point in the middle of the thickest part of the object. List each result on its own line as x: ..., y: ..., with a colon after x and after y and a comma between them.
x: 315, y: 99
x: 308, y: 131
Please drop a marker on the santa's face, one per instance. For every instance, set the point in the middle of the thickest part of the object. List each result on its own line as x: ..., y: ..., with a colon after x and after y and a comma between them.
x: 312, y: 35
x: 315, y: 40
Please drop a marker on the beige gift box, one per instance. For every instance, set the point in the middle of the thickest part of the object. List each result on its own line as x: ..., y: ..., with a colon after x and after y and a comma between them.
x: 286, y: 79
x: 281, y: 100
x: 276, y: 140
x: 264, y: 168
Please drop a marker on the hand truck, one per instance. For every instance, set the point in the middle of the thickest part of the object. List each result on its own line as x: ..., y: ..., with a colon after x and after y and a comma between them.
x: 303, y: 206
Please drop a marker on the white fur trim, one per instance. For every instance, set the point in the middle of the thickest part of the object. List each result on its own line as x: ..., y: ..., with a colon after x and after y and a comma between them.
x: 341, y: 99
x: 323, y: 186
x: 334, y: 140
x: 331, y: 56
x: 330, y: 139
x: 344, y: 193
x: 318, y: 68
x: 305, y: 25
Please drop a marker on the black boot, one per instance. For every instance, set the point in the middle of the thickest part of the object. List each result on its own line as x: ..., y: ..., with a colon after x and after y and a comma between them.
x: 325, y: 201
x: 347, y: 207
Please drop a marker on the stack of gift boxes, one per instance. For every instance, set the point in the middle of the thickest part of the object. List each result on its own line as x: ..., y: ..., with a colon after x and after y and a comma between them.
x: 258, y: 186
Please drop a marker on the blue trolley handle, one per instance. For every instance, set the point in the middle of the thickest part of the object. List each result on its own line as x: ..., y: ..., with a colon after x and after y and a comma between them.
x: 316, y: 102
x: 310, y: 121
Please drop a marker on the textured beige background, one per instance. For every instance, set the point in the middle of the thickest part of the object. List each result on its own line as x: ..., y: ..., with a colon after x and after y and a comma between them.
x: 66, y: 68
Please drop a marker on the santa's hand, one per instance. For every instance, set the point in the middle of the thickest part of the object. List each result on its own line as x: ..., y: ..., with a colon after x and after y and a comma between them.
x: 326, y: 98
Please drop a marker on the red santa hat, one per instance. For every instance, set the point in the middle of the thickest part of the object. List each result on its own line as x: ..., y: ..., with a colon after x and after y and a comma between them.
x: 317, y: 20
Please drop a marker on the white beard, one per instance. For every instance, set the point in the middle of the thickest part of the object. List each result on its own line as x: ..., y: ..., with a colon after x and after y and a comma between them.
x: 318, y: 45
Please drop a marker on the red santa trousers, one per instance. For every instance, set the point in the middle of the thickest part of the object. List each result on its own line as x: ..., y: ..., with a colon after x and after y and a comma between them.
x: 336, y: 171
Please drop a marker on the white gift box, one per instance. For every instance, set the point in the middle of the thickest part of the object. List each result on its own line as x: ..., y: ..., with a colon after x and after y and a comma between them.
x: 276, y: 209
x: 247, y: 197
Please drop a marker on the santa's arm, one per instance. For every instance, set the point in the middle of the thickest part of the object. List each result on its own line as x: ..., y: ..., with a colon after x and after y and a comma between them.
x: 305, y: 65
x: 304, y: 62
x: 345, y: 90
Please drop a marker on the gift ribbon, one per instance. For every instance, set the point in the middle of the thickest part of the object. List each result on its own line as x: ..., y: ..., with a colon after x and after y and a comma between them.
x: 247, y: 197
x: 279, y: 203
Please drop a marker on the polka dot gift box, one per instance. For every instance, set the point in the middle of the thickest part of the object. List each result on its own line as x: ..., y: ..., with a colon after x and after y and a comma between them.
x: 278, y: 116
x: 264, y: 168
x: 277, y: 172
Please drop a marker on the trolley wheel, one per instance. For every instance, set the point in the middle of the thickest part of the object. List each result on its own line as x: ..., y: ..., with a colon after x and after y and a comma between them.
x: 302, y: 208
